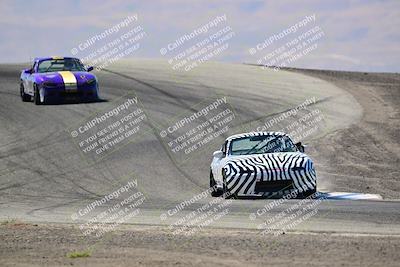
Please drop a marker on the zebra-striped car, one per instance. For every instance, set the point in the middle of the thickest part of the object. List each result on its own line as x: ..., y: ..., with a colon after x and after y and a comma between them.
x: 262, y: 164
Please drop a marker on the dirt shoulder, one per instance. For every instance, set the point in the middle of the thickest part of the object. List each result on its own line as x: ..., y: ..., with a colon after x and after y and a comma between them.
x: 48, y: 245
x: 366, y: 156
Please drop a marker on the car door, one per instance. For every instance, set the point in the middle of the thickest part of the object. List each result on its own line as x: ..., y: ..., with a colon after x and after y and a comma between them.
x: 30, y: 79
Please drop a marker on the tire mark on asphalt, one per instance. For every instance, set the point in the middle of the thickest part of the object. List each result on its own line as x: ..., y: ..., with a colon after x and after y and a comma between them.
x: 155, y: 129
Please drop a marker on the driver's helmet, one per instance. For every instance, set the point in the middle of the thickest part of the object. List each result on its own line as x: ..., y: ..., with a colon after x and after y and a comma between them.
x: 68, y: 64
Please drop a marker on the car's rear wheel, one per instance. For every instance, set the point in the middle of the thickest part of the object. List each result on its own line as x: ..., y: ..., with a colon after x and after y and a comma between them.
x: 24, y: 97
x: 213, y: 185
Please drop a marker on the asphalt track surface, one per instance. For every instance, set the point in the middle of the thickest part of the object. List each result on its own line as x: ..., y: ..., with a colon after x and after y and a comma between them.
x: 44, y: 178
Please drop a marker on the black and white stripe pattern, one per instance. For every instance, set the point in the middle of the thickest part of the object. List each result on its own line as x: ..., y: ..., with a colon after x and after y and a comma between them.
x: 293, y: 168
x: 236, y: 136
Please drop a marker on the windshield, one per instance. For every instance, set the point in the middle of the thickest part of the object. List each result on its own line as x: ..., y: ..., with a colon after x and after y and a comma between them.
x: 66, y: 64
x: 261, y: 144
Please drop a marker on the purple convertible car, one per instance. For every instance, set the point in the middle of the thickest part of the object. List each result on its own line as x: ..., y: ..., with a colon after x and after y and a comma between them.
x: 56, y: 79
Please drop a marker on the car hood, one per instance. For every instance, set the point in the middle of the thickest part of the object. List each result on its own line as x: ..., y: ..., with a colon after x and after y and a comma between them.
x: 281, y: 162
x: 279, y: 155
x: 64, y: 77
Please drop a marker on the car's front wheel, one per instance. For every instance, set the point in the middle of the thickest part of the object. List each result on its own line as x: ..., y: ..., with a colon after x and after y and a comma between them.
x: 225, y: 192
x: 24, y: 97
x: 38, y: 97
x: 308, y: 194
x: 215, y: 191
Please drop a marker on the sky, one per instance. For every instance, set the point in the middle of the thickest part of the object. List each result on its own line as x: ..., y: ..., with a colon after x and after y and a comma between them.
x: 358, y: 35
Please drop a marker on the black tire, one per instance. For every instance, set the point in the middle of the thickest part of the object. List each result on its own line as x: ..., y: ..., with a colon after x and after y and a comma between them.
x: 308, y: 193
x: 24, y: 97
x: 36, y: 96
x: 226, y: 194
x: 215, y: 192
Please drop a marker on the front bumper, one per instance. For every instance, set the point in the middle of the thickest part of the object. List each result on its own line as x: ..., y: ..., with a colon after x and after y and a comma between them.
x: 259, y: 185
x: 60, y: 94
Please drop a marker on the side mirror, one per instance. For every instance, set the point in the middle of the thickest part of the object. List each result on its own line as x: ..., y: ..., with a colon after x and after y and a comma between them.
x: 218, y: 154
x: 90, y: 68
x: 300, y: 147
x: 28, y: 71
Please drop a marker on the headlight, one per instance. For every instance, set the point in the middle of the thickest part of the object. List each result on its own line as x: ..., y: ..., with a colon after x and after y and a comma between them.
x: 91, y: 81
x: 298, y: 168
